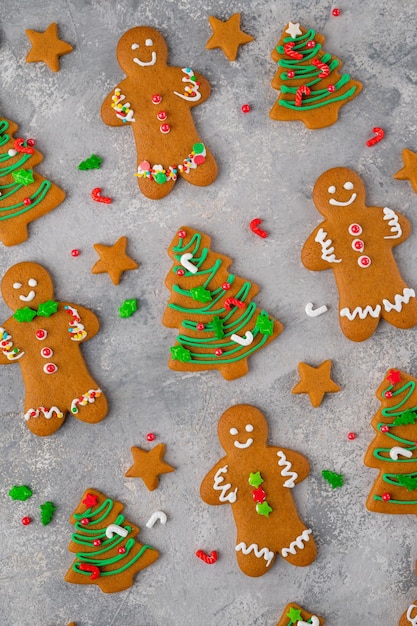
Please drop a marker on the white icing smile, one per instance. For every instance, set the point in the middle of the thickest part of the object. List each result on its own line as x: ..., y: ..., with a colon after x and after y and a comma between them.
x: 242, y: 446
x: 32, y: 282
x: 29, y: 297
x: 145, y: 63
x: 338, y: 203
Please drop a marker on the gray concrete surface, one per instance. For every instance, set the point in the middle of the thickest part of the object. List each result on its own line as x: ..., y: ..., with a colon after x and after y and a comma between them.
x: 365, y: 570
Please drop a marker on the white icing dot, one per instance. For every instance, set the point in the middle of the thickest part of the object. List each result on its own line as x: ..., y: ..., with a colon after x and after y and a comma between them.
x: 332, y: 189
x: 135, y: 46
x: 149, y: 42
x: 233, y: 431
x: 12, y: 152
x: 17, y: 285
x: 249, y: 428
x: 32, y: 282
x: 348, y: 185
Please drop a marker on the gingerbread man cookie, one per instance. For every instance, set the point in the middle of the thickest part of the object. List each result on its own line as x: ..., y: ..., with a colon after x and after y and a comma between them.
x: 356, y: 242
x: 409, y: 618
x: 156, y: 99
x: 256, y: 480
x: 43, y: 336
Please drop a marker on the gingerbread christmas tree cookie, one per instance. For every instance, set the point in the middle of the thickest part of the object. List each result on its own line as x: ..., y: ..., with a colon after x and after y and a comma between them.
x: 256, y: 480
x: 220, y: 324
x: 156, y: 101
x: 295, y: 615
x: 106, y: 552
x: 25, y: 195
x: 409, y: 617
x: 311, y: 87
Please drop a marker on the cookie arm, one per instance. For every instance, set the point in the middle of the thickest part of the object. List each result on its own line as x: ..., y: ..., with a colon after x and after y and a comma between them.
x: 108, y: 114
x: 318, y: 252
x: 216, y: 487
x: 83, y: 324
x: 192, y: 88
x: 293, y: 466
x: 10, y: 351
x: 397, y: 227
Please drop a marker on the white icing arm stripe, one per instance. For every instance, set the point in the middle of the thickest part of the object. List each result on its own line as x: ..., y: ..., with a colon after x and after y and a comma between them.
x: 285, y: 471
x: 189, y: 90
x: 400, y: 299
x: 397, y: 451
x: 360, y: 312
x: 412, y: 620
x: 297, y: 543
x: 218, y: 479
x: 327, y: 249
x: 266, y: 553
x: 393, y: 223
x: 47, y: 413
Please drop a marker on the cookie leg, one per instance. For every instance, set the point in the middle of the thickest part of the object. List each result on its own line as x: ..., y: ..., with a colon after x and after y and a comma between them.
x: 43, y: 421
x: 13, y: 232
x: 302, y: 550
x: 357, y: 329
x: 203, y: 174
x: 254, y: 560
x: 90, y: 407
x: 406, y: 317
x: 154, y: 190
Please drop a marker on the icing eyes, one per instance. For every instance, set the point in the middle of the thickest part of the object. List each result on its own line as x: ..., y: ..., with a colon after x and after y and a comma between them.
x: 233, y: 431
x: 17, y: 285
x: 135, y: 46
x: 332, y: 189
x: 32, y: 282
x: 149, y: 42
x: 249, y: 428
x: 348, y: 185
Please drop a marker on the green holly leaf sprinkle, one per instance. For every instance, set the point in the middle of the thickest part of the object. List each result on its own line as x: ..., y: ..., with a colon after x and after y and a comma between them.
x: 93, y: 162
x: 25, y: 314
x: 23, y: 177
x: 128, y: 308
x: 178, y: 353
x: 217, y: 327
x: 47, y: 512
x: 20, y: 492
x: 255, y: 479
x: 46, y: 309
x: 263, y: 508
x: 409, y: 482
x: 264, y: 324
x: 335, y: 480
x: 406, y: 417
x: 294, y: 615
x: 201, y: 294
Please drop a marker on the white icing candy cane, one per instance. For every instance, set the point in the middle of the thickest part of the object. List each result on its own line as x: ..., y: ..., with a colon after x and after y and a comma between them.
x: 243, y: 341
x: 327, y: 249
x: 185, y: 262
x: 266, y: 553
x: 115, y: 529
x: 399, y: 300
x: 412, y: 620
x: 314, y: 621
x: 397, y: 451
x: 158, y: 515
x: 290, y: 483
x: 360, y: 312
x: 297, y: 543
x: 224, y: 497
x: 315, y: 312
x: 393, y: 223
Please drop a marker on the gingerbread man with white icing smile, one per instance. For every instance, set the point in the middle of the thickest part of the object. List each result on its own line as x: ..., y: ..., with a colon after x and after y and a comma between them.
x: 156, y: 99
x: 356, y: 242
x: 44, y: 337
x: 256, y: 480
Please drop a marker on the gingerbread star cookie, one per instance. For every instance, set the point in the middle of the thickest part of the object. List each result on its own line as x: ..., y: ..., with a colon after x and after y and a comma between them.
x: 149, y: 465
x: 47, y: 47
x: 227, y: 35
x: 409, y: 171
x: 315, y: 381
x: 114, y: 260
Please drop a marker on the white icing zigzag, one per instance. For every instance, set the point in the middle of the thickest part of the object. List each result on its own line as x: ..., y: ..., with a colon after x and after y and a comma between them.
x: 297, y: 543
x: 224, y: 496
x: 285, y: 471
x: 266, y: 553
x: 86, y: 398
x: 47, y: 413
x: 362, y: 313
x: 393, y: 223
x: 327, y: 249
x: 400, y: 299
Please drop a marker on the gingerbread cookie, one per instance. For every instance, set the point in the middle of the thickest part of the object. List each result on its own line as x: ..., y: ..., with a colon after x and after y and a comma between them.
x: 106, y: 553
x: 220, y: 324
x: 409, y: 171
x: 227, y: 36
x: 394, y: 449
x: 295, y: 615
x: 356, y: 242
x: 47, y: 47
x: 149, y: 465
x: 311, y: 87
x: 114, y: 260
x: 409, y: 618
x: 43, y: 336
x: 256, y: 479
x: 25, y: 195
x: 315, y: 381
x: 156, y: 99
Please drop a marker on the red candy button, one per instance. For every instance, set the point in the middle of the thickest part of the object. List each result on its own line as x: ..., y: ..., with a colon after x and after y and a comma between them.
x: 364, y: 261
x: 46, y: 353
x: 357, y: 244
x: 50, y: 368
x: 355, y: 229
x: 41, y: 334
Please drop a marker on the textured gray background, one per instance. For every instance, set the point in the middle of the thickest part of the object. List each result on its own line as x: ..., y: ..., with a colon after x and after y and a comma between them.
x: 365, y: 570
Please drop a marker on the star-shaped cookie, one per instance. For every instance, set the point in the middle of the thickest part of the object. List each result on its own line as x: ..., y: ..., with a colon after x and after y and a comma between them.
x: 316, y: 381
x: 409, y: 171
x: 227, y: 35
x: 148, y: 465
x: 114, y: 260
x: 47, y: 47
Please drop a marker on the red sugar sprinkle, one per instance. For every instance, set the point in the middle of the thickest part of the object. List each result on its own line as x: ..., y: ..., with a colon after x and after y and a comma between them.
x: 245, y: 108
x: 150, y: 437
x: 26, y: 521
x: 386, y: 497
x: 351, y: 436
x: 336, y: 12
x: 75, y: 252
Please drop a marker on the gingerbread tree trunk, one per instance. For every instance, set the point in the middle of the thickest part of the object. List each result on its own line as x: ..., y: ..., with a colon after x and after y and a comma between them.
x: 220, y: 324
x: 25, y: 194
x: 107, y: 554
x: 311, y: 87
x: 394, y: 450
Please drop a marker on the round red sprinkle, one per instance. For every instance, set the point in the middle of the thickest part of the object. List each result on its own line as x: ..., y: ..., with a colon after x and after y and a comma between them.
x: 182, y: 234
x: 165, y: 128
x: 121, y: 550
x: 218, y: 352
x: 200, y: 326
x: 50, y: 368
x: 245, y: 108
x: 30, y: 142
x: 162, y: 116
x: 156, y: 98
x: 75, y: 252
x: 97, y: 542
x: 180, y: 272
x: 331, y: 88
x: 150, y: 436
x: 384, y: 429
x: 351, y: 436
x: 27, y: 201
x: 26, y: 521
x: 386, y: 497
x: 85, y: 521
x: 46, y: 352
x: 388, y: 394
x: 336, y: 12
x: 226, y: 286
x: 311, y: 44
x: 290, y: 74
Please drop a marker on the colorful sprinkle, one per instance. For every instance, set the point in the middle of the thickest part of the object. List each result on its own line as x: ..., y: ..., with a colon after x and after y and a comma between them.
x: 75, y: 252
x: 254, y: 226
x: 304, y: 90
x: 351, y: 436
x: 209, y: 559
x: 20, y: 492
x: 150, y: 437
x: 288, y: 49
x: 157, y: 515
x: 86, y: 567
x: 245, y: 108
x: 335, y: 12
x: 128, y: 308
x: 92, y: 163
x: 379, y: 134
x: 26, y: 521
x: 95, y: 194
x: 165, y: 129
x: 386, y: 497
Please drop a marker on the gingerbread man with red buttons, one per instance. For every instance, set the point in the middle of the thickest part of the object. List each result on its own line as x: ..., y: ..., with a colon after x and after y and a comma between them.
x: 44, y: 337
x: 356, y: 241
x: 156, y: 100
